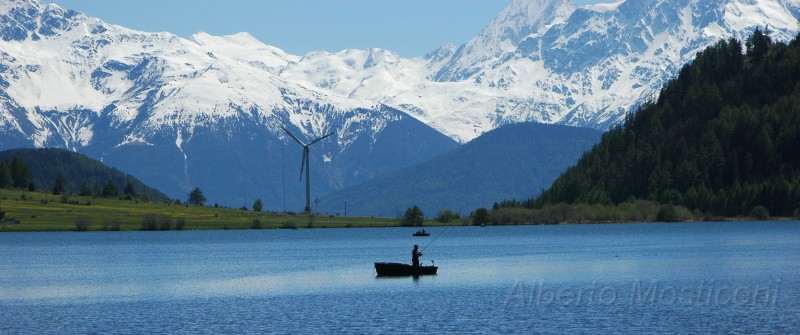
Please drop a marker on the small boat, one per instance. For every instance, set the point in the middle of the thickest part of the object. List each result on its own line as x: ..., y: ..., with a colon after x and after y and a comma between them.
x: 422, y: 233
x: 402, y: 269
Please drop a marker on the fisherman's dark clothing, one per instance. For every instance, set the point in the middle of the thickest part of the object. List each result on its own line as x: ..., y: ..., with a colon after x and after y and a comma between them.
x: 415, y: 257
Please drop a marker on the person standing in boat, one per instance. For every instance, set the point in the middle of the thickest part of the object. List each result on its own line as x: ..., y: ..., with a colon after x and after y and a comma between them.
x: 415, y: 256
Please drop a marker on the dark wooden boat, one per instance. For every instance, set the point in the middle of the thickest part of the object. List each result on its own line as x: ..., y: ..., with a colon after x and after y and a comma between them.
x: 402, y: 269
x: 422, y: 233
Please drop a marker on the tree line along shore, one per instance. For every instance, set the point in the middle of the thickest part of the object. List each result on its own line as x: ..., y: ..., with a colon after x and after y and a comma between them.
x: 25, y: 211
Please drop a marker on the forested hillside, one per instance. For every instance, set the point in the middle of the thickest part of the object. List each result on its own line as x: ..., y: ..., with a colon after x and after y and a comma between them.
x: 60, y: 171
x: 722, y: 138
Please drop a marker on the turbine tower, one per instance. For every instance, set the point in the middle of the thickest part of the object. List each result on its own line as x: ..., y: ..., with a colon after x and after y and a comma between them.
x: 304, y: 163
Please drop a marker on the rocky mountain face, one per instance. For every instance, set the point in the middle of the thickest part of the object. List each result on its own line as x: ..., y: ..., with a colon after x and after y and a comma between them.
x: 548, y: 61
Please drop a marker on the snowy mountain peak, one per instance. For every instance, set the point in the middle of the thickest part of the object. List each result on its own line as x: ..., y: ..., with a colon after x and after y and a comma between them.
x: 523, y: 17
x: 554, y: 62
x: 24, y: 19
x: 520, y: 19
x: 56, y: 60
x: 243, y: 46
x: 604, y: 7
x: 7, y: 6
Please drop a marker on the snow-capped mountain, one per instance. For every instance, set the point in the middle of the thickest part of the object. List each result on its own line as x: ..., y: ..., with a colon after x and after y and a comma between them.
x: 548, y: 61
x: 181, y: 113
x: 207, y: 111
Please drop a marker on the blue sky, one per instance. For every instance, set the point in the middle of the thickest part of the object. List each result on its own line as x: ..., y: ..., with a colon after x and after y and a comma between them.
x: 408, y: 27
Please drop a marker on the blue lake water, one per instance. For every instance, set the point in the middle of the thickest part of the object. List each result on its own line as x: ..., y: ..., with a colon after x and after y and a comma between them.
x: 714, y: 277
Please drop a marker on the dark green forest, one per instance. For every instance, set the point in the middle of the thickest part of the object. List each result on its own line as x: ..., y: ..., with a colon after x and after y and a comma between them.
x: 60, y: 172
x: 723, y: 138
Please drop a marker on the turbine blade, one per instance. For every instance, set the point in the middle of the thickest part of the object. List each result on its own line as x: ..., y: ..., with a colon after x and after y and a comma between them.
x: 293, y: 137
x: 320, y: 139
x: 302, y: 164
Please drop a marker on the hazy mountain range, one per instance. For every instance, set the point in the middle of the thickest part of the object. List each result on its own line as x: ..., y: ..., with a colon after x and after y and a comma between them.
x: 515, y: 161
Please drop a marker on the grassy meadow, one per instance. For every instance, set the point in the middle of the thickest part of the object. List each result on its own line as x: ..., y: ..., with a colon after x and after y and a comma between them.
x: 36, y: 211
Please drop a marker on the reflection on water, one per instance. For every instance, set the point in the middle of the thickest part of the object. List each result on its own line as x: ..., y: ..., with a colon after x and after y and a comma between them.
x: 698, y: 277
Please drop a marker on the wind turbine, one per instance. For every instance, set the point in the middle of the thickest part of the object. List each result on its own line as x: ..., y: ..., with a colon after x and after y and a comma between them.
x: 304, y: 163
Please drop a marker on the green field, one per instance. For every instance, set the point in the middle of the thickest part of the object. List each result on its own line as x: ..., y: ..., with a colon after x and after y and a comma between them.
x: 35, y: 211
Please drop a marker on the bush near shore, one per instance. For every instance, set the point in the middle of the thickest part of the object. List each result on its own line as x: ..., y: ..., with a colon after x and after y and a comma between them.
x: 629, y: 211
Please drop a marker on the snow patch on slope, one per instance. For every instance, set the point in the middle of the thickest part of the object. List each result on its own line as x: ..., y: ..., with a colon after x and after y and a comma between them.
x: 604, y: 7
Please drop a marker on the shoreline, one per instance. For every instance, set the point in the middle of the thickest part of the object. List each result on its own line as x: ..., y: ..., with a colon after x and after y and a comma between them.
x: 24, y: 211
x: 4, y: 228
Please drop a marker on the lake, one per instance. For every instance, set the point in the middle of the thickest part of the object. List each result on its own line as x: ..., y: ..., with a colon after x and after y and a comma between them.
x: 708, y: 277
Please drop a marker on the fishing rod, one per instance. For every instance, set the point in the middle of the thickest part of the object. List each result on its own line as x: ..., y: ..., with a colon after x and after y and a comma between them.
x: 434, y: 239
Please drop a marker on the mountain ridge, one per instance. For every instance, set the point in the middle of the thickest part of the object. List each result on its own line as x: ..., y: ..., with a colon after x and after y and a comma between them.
x: 552, y: 62
x: 608, y: 58
x: 155, y: 104
x: 513, y: 161
x: 78, y: 170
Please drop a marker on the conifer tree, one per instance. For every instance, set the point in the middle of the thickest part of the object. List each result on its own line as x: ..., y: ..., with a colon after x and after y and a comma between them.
x: 129, y: 189
x: 196, y: 197
x: 5, y: 176
x: 85, y: 190
x: 19, y: 173
x: 110, y: 190
x: 59, y: 184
